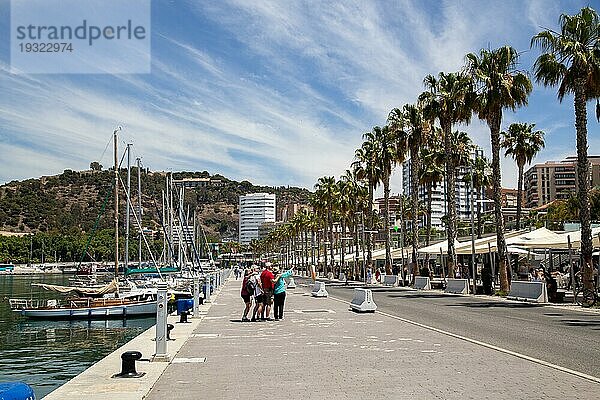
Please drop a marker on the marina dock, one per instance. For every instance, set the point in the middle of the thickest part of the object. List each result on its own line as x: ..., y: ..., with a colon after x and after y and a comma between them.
x: 320, y: 349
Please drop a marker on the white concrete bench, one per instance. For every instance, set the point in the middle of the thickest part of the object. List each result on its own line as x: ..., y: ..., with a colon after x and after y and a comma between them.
x: 457, y: 286
x: 363, y: 301
x: 529, y: 291
x: 319, y: 290
x: 391, y: 280
x: 291, y: 284
x: 422, y: 283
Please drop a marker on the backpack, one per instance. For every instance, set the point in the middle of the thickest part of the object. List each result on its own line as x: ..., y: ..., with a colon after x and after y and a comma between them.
x: 250, y: 286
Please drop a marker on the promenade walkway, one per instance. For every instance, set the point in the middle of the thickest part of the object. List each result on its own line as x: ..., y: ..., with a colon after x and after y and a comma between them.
x: 322, y: 350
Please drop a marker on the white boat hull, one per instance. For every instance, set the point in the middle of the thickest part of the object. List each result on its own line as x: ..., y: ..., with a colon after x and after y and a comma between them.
x: 113, y: 311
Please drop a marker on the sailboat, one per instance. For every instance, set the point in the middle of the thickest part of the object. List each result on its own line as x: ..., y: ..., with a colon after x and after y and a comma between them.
x: 91, y: 302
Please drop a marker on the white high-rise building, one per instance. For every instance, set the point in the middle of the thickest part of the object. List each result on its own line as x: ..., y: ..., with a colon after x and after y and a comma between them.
x: 438, y: 194
x: 255, y: 209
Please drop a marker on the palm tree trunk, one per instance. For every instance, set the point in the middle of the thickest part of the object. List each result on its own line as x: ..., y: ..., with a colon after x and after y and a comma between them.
x: 370, y: 218
x: 343, y: 245
x: 414, y: 189
x: 429, y: 201
x: 519, y: 195
x: 312, y: 246
x: 479, y: 221
x: 356, y: 249
x: 325, y: 239
x: 583, y: 181
x: 450, y: 198
x: 494, y: 124
x: 386, y: 199
x: 330, y: 219
x: 304, y: 248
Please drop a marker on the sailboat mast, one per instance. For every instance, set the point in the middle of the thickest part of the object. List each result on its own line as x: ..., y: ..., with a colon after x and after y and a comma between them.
x: 127, y: 213
x: 164, y: 222
x: 116, y: 205
x: 140, y: 212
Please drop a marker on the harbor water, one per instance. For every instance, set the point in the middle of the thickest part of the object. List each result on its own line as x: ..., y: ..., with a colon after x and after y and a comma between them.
x: 46, y: 354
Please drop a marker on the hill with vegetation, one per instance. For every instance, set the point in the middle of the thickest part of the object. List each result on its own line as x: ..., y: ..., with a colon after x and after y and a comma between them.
x: 74, y: 203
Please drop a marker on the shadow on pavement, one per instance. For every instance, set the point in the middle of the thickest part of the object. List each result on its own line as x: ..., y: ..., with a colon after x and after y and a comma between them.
x: 495, y: 304
x: 579, y: 322
x: 419, y: 296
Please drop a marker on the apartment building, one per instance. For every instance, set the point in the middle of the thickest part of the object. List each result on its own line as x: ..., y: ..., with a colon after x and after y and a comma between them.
x: 464, y: 201
x: 555, y: 180
x: 255, y: 210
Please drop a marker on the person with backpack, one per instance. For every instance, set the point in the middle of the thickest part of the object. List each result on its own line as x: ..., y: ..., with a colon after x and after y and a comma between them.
x: 247, y: 293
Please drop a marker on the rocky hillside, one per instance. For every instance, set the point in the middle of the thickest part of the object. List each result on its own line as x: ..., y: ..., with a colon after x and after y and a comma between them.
x: 75, y: 201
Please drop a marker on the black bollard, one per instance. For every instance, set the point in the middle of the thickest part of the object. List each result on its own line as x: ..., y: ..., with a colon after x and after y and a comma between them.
x: 171, y: 326
x: 128, y: 360
x: 183, y: 317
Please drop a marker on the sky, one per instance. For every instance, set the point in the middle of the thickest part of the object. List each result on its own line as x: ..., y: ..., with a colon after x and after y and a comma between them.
x: 274, y: 92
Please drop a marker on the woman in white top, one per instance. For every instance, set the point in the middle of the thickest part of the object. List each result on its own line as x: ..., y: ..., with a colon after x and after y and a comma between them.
x: 258, y: 295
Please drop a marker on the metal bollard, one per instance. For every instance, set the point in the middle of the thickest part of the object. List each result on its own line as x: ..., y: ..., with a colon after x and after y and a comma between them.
x: 207, y: 289
x: 128, y: 360
x: 161, y: 323
x: 196, y: 297
x: 182, y: 320
x: 171, y: 326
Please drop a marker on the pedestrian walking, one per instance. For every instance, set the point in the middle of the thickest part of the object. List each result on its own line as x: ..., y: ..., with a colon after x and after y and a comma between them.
x: 279, y: 291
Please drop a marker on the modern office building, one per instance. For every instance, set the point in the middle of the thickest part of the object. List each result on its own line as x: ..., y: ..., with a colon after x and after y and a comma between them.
x: 438, y: 203
x: 556, y: 180
x: 255, y: 210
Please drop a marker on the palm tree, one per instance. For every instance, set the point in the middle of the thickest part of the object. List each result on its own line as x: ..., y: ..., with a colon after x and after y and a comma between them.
x: 366, y: 169
x: 432, y: 172
x: 390, y: 151
x: 411, y: 130
x: 448, y: 99
x: 319, y: 204
x: 498, y: 85
x: 353, y: 200
x: 344, y: 203
x: 327, y: 193
x: 571, y: 59
x: 522, y: 143
x: 481, y: 181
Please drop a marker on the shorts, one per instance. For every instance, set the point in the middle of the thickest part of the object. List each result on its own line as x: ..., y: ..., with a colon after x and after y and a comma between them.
x: 268, y: 297
x: 246, y: 298
x: 259, y: 299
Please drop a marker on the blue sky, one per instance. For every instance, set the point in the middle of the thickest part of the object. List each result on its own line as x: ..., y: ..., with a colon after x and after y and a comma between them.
x: 275, y: 92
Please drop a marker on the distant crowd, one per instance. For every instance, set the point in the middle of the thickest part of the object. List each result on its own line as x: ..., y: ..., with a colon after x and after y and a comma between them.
x: 265, y: 287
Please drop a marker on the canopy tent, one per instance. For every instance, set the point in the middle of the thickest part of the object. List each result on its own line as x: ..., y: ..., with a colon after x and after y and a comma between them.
x: 481, y: 245
x: 439, y: 247
x: 541, y: 238
x: 575, y: 237
x: 396, y: 253
x: 376, y: 254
